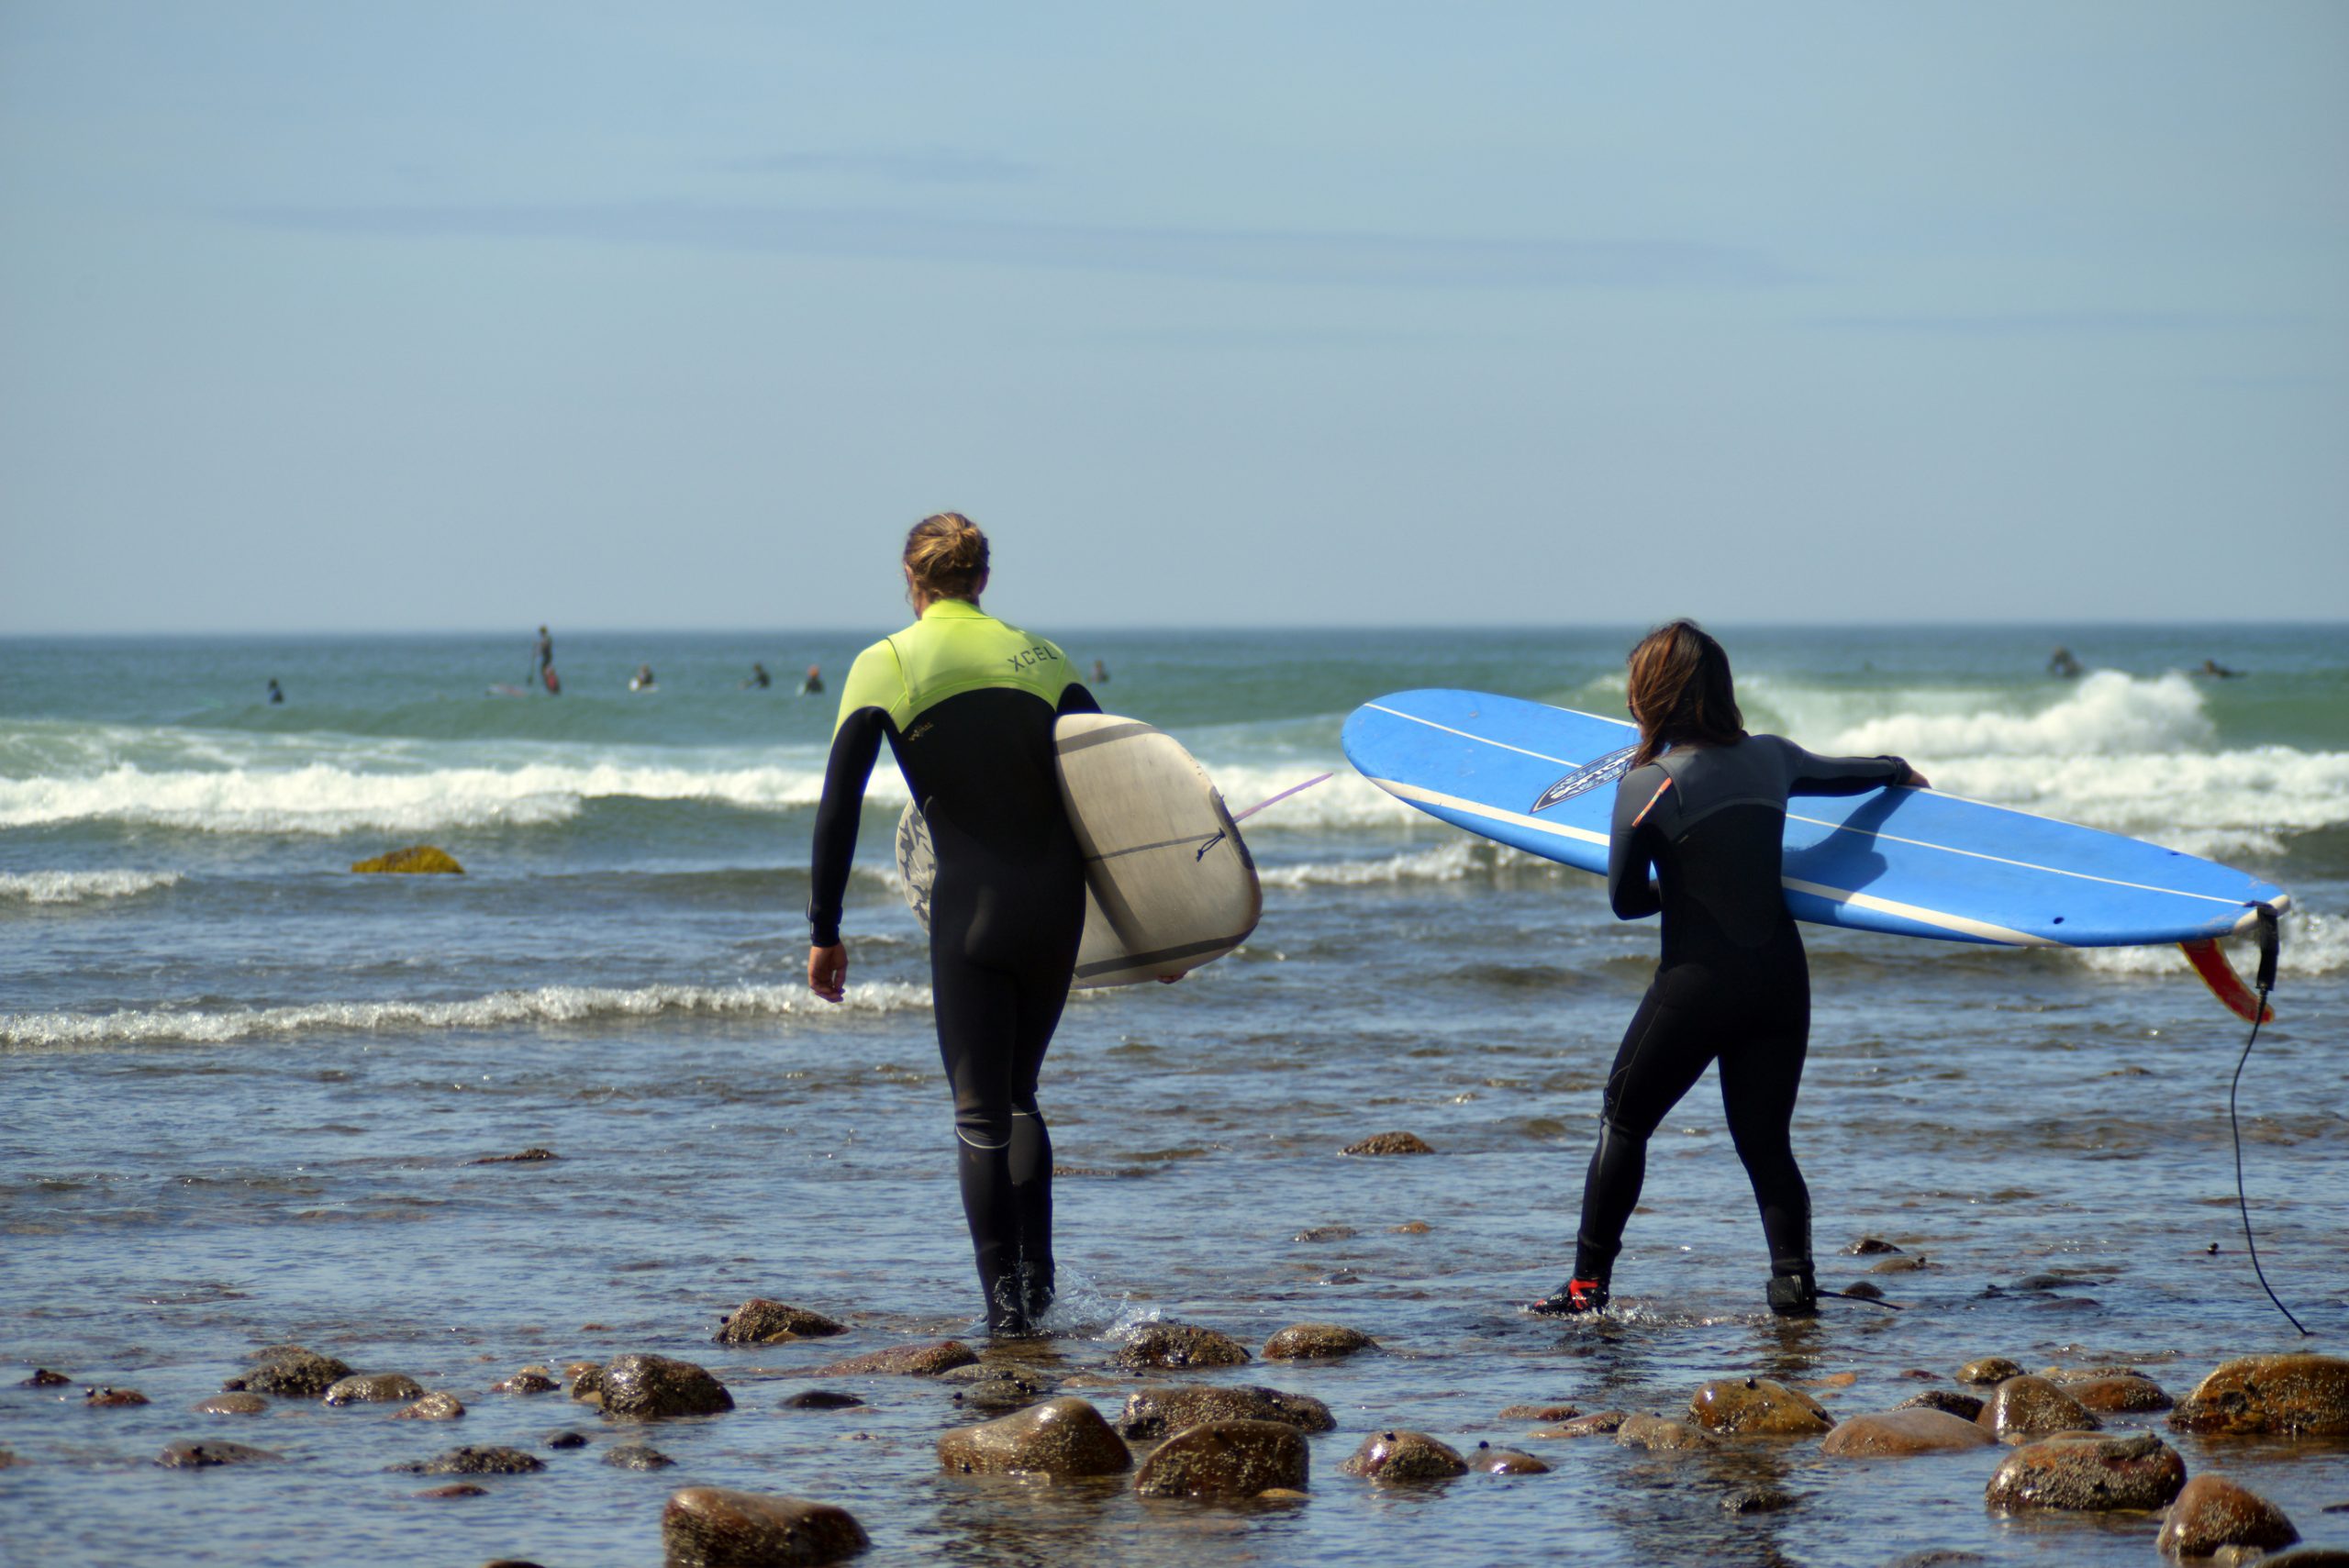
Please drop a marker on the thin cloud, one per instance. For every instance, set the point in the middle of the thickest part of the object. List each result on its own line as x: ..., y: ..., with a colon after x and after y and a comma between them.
x: 2055, y: 323
x: 927, y: 166
x: 1390, y: 260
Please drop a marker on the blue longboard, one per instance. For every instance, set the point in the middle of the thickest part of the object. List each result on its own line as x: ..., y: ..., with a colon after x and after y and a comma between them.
x: 1908, y: 861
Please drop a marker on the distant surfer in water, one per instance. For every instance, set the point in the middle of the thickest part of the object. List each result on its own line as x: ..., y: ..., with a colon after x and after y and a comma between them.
x: 1703, y: 805
x: 276, y: 695
x: 2061, y: 663
x: 812, y: 686
x: 543, y: 662
x: 758, y: 677
x: 967, y: 705
x: 642, y: 680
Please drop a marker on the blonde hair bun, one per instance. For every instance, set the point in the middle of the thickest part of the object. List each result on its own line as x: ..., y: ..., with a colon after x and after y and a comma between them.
x: 946, y: 556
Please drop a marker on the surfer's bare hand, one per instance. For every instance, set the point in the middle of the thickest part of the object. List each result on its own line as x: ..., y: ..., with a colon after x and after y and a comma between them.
x: 828, y: 971
x: 1916, y: 781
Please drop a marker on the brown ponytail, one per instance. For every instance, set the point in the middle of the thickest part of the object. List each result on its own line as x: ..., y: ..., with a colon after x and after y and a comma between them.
x: 946, y: 557
x: 1680, y: 690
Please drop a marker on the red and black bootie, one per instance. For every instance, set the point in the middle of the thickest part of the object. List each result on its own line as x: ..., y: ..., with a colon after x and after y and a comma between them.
x: 1573, y: 1299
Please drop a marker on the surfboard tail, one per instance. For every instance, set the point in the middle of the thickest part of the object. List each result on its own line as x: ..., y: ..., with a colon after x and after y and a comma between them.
x: 2224, y: 982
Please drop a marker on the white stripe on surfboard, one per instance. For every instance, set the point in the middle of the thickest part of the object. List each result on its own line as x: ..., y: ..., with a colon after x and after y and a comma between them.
x: 1419, y: 796
x: 1845, y: 827
x: 1916, y: 912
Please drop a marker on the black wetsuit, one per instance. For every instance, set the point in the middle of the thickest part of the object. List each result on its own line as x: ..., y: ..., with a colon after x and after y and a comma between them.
x: 967, y: 706
x: 1732, y: 984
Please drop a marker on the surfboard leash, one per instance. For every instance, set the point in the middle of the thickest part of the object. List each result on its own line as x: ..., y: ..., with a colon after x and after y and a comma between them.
x: 2270, y: 945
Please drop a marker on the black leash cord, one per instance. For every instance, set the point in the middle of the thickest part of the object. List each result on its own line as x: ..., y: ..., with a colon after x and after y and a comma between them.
x: 2268, y: 944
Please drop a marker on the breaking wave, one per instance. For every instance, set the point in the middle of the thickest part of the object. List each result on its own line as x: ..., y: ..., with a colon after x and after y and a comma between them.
x: 547, y: 1004
x: 81, y: 886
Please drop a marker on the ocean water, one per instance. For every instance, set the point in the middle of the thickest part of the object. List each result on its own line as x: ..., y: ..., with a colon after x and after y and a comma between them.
x: 246, y: 1087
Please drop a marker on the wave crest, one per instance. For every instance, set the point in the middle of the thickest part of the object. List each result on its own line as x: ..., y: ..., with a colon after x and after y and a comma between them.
x: 2106, y: 714
x: 547, y: 1004
x: 81, y: 886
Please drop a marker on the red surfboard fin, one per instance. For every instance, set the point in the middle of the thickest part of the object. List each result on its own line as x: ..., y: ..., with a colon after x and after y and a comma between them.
x: 2224, y: 982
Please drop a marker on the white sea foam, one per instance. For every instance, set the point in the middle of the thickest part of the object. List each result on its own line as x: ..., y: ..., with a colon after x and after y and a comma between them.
x: 2104, y: 714
x: 2313, y: 944
x: 328, y: 798
x: 547, y: 1004
x: 1450, y: 861
x: 81, y: 886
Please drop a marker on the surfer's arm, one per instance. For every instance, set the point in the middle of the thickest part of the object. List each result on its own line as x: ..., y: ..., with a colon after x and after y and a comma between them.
x: 1808, y: 774
x: 854, y: 745
x: 1628, y: 888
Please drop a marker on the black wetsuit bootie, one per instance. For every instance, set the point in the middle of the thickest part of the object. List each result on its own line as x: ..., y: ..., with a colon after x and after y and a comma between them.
x: 1573, y: 1298
x: 1036, y: 1294
x: 1794, y: 1292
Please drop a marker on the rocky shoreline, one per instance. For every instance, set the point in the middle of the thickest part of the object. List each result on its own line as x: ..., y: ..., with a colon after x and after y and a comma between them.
x: 2090, y: 1439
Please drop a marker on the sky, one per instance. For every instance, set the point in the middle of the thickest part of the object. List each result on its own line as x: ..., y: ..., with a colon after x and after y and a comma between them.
x: 471, y: 316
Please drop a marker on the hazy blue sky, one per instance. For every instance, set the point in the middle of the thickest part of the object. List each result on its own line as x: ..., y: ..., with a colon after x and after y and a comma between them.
x: 424, y: 316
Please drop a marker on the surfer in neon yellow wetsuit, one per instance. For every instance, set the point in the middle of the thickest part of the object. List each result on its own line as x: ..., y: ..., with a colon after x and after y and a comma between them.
x: 1703, y: 805
x: 967, y: 706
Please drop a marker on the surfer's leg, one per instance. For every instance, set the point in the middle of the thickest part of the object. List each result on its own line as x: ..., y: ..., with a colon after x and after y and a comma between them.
x: 977, y: 1013
x: 1761, y: 1076
x: 1043, y: 992
x: 1664, y: 1053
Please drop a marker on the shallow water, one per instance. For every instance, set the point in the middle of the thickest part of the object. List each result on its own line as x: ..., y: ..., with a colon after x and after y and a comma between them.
x: 246, y: 1087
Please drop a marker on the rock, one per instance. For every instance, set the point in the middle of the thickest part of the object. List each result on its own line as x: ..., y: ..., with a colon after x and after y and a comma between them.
x: 1541, y: 1412
x: 1002, y: 1389
x: 2213, y: 1512
x: 458, y: 1489
x: 1316, y: 1342
x: 1062, y: 1438
x: 1757, y: 1407
x: 1597, y: 1424
x: 654, y: 1388
x: 2130, y: 1394
x: 1400, y: 1455
x: 530, y: 1156
x: 44, y: 1378
x: 375, y: 1388
x: 710, y: 1527
x: 1411, y: 1227
x: 1389, y: 1144
x: 821, y: 1399
x: 431, y: 1407
x: 1157, y: 1345
x: 1661, y: 1432
x: 637, y: 1456
x: 566, y: 1440
x: 470, y: 1460
x: 1965, y: 1407
x: 910, y: 1361
x: 1486, y: 1460
x: 586, y: 1384
x: 1898, y: 1265
x: 291, y: 1373
x: 758, y: 1321
x: 8, y: 1460
x: 1938, y: 1557
x: 2033, y: 1406
x: 1989, y: 1368
x: 1864, y: 1290
x: 232, y: 1405
x: 203, y: 1456
x: 1869, y: 1246
x: 2295, y: 1395
x: 1327, y: 1233
x: 112, y: 1398
x: 1758, y: 1500
x: 416, y: 860
x: 2087, y: 1472
x: 530, y: 1380
x: 1163, y: 1408
x: 1226, y: 1459
x: 1902, y: 1432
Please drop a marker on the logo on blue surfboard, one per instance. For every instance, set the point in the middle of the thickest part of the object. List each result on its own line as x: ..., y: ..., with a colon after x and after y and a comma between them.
x: 1585, y: 779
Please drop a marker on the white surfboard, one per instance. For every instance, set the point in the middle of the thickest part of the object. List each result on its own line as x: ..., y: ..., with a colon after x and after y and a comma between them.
x: 1169, y: 882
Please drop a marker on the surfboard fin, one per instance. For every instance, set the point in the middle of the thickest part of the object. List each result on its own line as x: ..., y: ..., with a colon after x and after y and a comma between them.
x: 2224, y: 982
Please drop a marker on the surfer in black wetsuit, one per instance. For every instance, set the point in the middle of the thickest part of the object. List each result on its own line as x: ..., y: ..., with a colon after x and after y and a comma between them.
x: 967, y: 706
x: 1705, y: 806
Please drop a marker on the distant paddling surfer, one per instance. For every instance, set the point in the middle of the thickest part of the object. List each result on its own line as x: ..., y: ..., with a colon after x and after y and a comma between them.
x: 543, y: 665
x: 967, y: 705
x: 1703, y: 805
